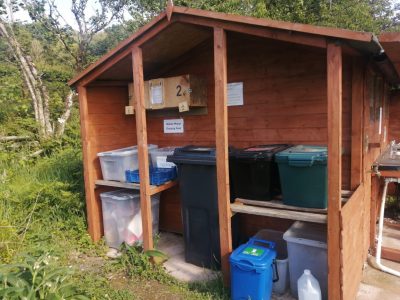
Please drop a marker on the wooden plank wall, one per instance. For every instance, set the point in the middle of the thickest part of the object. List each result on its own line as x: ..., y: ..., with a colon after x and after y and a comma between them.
x: 352, y: 241
x: 284, y: 102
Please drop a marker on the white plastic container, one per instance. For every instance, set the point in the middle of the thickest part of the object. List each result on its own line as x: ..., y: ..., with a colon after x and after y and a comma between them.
x: 282, y: 261
x: 122, y: 217
x: 114, y: 163
x: 159, y: 157
x: 308, y: 287
x: 307, y: 249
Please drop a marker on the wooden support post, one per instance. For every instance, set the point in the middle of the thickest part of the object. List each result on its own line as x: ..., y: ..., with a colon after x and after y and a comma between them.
x: 221, y: 128
x: 93, y: 206
x: 357, y: 113
x: 334, y: 94
x: 143, y: 154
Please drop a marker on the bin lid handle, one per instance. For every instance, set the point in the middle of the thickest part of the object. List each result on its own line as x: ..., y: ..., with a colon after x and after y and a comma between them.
x: 270, y: 244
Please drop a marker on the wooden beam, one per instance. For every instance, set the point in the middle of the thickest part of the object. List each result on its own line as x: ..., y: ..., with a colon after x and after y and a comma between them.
x: 276, y: 34
x: 101, y: 67
x: 221, y: 130
x: 279, y: 213
x: 143, y: 154
x: 357, y: 119
x: 93, y: 205
x: 334, y: 94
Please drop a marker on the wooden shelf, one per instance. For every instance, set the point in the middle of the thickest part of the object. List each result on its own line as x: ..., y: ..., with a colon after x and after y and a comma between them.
x: 238, y: 207
x: 154, y: 189
x: 276, y: 209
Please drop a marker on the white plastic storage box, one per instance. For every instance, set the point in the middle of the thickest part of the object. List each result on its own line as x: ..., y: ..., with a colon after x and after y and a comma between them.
x: 159, y: 157
x: 122, y: 217
x: 307, y: 249
x: 282, y: 260
x: 114, y: 163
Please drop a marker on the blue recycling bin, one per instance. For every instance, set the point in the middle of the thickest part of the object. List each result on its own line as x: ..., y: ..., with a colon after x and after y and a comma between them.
x: 252, y: 270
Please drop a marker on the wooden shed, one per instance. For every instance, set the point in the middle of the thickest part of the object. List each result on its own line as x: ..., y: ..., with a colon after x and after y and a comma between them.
x: 302, y: 84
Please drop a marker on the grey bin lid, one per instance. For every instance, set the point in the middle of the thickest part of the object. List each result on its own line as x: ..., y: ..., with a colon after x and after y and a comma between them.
x: 310, y: 234
x: 121, y: 195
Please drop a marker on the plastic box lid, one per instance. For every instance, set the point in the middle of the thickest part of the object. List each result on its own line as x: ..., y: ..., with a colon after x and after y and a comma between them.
x: 309, y: 234
x: 120, y: 195
x: 255, y: 254
x: 303, y: 155
x: 124, y: 151
x: 265, y: 152
x: 199, y: 155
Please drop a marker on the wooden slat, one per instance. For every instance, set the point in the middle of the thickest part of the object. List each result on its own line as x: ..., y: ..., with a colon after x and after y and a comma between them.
x: 279, y: 213
x: 334, y: 94
x: 221, y: 135
x: 154, y: 189
x: 93, y: 205
x: 357, y: 99
x: 279, y: 205
x: 352, y: 236
x: 143, y: 154
x: 391, y: 254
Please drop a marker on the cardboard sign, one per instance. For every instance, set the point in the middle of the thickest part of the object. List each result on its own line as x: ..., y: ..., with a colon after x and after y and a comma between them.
x: 173, y: 126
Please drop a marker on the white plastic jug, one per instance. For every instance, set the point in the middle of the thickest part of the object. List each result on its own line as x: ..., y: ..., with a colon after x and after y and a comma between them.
x: 308, y: 287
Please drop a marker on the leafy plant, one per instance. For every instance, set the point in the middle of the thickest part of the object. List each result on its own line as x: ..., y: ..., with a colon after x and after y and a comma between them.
x: 138, y: 263
x: 37, y: 278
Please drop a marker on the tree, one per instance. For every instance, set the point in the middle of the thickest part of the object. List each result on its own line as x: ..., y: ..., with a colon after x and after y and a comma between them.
x: 76, y: 43
x: 364, y: 15
x: 31, y: 77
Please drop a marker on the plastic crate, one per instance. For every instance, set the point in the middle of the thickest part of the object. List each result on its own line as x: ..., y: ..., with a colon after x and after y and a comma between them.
x: 158, y: 176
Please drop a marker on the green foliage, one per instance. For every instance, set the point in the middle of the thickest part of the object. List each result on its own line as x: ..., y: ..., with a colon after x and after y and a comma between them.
x: 138, y: 264
x: 37, y: 278
x: 364, y: 15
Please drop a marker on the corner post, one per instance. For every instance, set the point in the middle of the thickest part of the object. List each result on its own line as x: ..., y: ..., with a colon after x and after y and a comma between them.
x: 143, y: 154
x: 221, y: 128
x: 334, y: 95
x: 93, y: 205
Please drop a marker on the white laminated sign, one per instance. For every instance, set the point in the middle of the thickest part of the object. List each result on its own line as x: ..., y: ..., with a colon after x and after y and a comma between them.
x: 235, y: 93
x: 174, y: 126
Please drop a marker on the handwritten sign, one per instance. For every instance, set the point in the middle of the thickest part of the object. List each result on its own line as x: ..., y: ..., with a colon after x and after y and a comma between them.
x: 173, y: 126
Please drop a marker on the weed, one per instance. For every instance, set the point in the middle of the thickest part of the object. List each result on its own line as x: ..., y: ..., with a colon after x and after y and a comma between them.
x: 37, y: 279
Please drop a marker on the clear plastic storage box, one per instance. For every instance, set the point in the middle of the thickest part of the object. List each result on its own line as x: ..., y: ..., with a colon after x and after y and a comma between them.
x: 159, y: 157
x: 307, y: 249
x: 122, y: 217
x: 114, y: 163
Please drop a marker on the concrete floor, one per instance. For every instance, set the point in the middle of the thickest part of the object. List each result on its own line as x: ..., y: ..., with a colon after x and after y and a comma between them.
x: 173, y: 245
x: 375, y: 285
x: 378, y: 285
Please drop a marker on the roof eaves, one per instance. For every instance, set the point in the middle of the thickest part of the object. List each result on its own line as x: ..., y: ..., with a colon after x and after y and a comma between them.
x: 117, y: 49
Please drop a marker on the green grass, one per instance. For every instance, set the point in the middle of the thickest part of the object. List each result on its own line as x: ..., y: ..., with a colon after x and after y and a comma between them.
x: 42, y: 212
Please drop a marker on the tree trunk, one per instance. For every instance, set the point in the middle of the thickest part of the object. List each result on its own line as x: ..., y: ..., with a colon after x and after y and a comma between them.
x: 36, y: 88
x: 62, y: 121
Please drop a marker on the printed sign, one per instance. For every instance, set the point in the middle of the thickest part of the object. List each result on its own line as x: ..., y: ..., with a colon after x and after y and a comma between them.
x: 156, y: 94
x: 235, y: 93
x: 173, y: 126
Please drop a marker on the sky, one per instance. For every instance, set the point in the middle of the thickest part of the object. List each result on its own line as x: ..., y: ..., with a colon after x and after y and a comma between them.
x: 64, y: 7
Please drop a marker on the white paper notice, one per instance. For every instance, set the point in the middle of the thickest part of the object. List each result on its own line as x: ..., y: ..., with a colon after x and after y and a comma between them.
x: 156, y: 93
x: 235, y: 93
x: 173, y: 126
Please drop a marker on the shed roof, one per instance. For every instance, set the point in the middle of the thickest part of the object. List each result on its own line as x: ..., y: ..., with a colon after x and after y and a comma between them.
x: 197, y: 28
